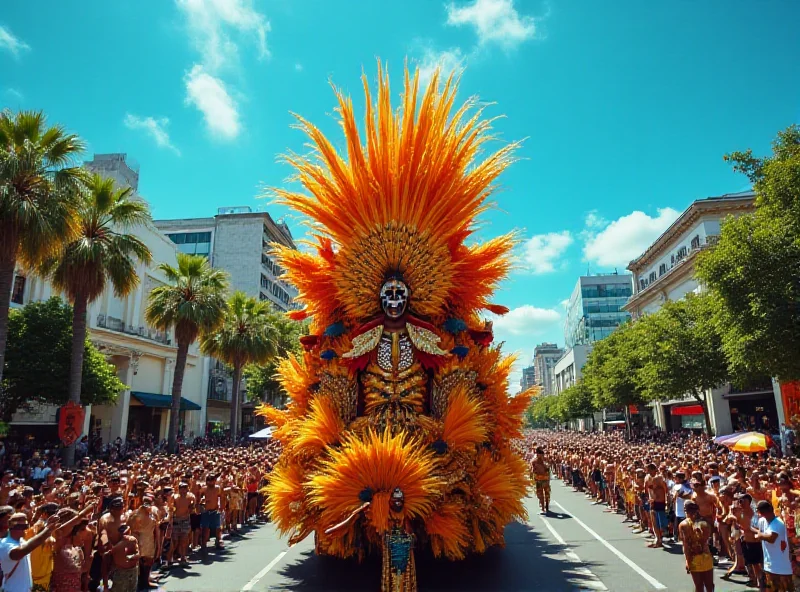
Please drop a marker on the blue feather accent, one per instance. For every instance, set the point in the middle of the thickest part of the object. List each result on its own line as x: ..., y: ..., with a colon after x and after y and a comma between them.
x: 335, y: 330
x: 460, y: 350
x: 454, y: 326
x: 328, y: 354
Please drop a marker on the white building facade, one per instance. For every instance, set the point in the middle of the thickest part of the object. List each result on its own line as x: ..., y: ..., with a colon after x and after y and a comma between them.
x: 239, y: 241
x: 664, y: 272
x: 144, y: 357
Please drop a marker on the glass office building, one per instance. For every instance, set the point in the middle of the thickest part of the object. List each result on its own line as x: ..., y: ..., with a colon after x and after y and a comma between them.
x: 595, y: 308
x: 192, y: 243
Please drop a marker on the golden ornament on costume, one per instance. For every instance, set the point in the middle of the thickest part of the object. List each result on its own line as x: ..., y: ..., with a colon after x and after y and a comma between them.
x: 398, y: 434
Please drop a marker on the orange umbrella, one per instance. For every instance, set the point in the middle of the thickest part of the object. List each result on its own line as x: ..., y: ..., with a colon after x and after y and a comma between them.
x: 748, y: 442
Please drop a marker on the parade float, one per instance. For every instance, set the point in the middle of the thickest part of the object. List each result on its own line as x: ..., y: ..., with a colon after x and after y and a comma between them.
x: 397, y: 438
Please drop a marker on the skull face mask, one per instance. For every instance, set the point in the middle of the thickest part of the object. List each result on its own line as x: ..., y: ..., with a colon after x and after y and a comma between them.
x: 394, y: 298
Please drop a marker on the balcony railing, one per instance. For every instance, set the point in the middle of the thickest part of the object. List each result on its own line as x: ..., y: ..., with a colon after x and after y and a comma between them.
x: 118, y: 325
x: 709, y: 241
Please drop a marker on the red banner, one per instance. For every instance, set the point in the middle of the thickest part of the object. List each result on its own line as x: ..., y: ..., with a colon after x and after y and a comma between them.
x: 790, y: 393
x: 70, y: 423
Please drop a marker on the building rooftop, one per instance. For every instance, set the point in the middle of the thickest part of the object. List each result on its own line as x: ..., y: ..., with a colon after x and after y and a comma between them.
x: 728, y: 202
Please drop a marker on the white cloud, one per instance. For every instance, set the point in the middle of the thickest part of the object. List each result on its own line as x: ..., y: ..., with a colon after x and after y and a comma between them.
x: 448, y: 61
x: 298, y: 67
x: 594, y: 220
x: 541, y: 252
x: 15, y: 93
x: 215, y: 26
x: 626, y: 238
x: 564, y: 303
x: 525, y: 320
x: 210, y: 96
x: 11, y: 42
x: 494, y: 21
x: 155, y: 128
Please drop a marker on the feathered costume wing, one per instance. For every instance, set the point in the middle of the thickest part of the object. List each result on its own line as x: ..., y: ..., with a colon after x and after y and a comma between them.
x: 403, y: 200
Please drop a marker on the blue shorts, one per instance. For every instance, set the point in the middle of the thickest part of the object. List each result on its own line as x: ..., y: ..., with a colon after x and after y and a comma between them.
x: 210, y: 519
x: 661, y: 519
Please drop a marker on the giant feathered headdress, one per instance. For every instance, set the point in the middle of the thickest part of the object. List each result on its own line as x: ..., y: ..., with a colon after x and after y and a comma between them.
x: 403, y: 200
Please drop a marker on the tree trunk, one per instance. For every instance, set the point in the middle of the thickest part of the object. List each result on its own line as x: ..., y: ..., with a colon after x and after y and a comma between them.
x: 76, y: 363
x: 177, y: 388
x: 626, y: 411
x: 235, y: 402
x: 6, y: 284
x: 706, y: 414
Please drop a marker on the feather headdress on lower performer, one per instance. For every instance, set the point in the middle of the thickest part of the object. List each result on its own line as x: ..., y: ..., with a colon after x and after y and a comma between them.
x: 399, y: 427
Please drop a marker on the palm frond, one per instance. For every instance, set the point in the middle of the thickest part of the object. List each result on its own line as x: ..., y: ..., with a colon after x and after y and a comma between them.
x: 193, y: 302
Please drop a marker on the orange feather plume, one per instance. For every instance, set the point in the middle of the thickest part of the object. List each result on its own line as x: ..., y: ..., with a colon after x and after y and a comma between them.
x: 448, y: 531
x: 319, y: 429
x: 285, y: 495
x: 380, y: 463
x: 402, y: 198
x: 464, y: 422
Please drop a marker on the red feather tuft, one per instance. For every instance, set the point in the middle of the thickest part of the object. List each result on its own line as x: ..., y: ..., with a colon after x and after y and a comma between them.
x: 297, y: 315
x: 497, y: 309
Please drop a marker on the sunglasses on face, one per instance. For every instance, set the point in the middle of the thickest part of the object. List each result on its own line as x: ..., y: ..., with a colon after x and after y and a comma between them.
x: 18, y: 527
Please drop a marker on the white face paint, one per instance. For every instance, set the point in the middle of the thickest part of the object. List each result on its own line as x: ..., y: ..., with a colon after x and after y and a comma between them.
x: 394, y: 298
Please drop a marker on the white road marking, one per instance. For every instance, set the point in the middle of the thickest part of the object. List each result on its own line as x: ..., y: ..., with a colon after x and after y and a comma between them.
x: 650, y: 579
x: 592, y: 581
x: 257, y: 578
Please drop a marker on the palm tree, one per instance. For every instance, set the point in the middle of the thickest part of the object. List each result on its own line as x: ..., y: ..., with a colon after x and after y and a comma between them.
x: 246, y: 336
x: 38, y: 187
x: 193, y: 303
x: 101, y: 252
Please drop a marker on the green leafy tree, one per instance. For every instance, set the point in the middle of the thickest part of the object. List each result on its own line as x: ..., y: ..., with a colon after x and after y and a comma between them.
x: 247, y: 335
x: 262, y: 382
x: 682, y: 352
x: 754, y: 268
x: 545, y: 412
x: 576, y: 402
x: 102, y: 252
x: 193, y: 304
x: 611, y: 368
x: 38, y: 186
x: 38, y: 361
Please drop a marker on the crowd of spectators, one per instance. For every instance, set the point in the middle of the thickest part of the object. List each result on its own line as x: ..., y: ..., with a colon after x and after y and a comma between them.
x: 126, y: 514
x: 731, y: 509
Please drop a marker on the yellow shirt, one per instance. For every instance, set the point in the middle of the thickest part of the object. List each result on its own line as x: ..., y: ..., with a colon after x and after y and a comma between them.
x: 41, y: 560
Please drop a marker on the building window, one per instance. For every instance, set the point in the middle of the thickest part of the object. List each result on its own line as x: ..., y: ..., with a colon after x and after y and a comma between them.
x: 681, y: 253
x: 662, y: 269
x: 262, y: 296
x: 652, y: 277
x: 642, y: 284
x: 266, y: 283
x: 696, y: 242
x: 192, y: 243
x: 18, y: 291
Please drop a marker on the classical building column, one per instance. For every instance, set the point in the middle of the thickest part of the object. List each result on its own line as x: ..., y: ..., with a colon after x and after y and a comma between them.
x: 119, y: 419
x: 119, y: 415
x: 169, y: 370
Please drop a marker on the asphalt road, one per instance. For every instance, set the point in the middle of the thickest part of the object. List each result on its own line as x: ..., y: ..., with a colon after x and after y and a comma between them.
x: 578, y: 547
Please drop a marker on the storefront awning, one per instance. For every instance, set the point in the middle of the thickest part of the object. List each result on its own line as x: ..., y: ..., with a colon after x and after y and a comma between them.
x: 163, y: 401
x: 687, y: 410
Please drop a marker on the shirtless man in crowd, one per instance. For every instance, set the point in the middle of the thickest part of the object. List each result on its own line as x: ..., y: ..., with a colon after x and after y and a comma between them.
x: 125, y: 555
x: 211, y: 519
x: 657, y: 491
x: 541, y: 476
x: 110, y: 534
x: 183, y: 503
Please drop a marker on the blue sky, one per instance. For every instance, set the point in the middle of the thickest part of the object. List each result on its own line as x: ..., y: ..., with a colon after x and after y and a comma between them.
x: 627, y: 106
